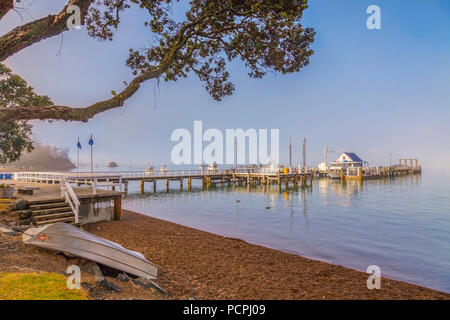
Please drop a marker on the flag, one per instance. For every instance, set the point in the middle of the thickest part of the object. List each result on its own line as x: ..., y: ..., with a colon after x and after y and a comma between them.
x: 91, y: 141
x: 79, y: 144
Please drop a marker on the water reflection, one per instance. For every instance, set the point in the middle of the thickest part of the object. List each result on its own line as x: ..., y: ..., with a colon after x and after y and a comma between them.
x: 400, y: 224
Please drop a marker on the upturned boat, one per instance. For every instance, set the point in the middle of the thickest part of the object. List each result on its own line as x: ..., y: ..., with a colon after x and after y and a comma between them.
x: 64, y: 237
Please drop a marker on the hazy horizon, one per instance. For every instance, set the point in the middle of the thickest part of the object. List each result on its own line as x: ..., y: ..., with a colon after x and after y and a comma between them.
x: 384, y: 90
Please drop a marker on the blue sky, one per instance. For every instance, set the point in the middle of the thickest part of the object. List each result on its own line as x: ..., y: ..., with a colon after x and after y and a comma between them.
x: 385, y: 90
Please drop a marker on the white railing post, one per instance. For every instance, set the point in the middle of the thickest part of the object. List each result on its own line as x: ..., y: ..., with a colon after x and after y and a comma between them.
x: 70, y: 197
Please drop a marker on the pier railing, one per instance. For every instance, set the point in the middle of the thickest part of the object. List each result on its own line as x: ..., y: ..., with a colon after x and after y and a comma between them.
x: 70, y: 197
x: 96, y: 177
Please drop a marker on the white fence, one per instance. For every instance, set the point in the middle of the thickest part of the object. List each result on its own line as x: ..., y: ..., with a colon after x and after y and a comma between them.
x: 70, y: 197
x: 88, y: 179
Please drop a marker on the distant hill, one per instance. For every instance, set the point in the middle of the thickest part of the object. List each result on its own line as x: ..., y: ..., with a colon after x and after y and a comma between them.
x: 45, y: 158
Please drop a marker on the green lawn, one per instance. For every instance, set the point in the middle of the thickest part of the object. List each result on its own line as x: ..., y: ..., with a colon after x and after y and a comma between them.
x: 37, y: 286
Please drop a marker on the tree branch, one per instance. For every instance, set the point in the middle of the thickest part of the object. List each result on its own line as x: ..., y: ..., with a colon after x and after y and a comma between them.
x: 66, y: 113
x: 5, y: 6
x: 55, y: 112
x: 38, y: 30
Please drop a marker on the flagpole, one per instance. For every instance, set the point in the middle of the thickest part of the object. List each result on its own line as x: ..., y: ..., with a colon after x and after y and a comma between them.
x: 91, y: 159
x: 78, y: 154
x: 290, y: 152
x: 91, y: 143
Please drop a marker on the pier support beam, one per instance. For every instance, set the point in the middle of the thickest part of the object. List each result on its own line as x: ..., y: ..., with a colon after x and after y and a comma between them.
x: 141, y: 186
x: 117, y: 207
x: 189, y: 182
x: 167, y: 185
x: 181, y: 184
x: 154, y: 186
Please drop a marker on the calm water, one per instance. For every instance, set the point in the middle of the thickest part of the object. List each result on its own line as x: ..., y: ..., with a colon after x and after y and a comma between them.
x: 401, y: 225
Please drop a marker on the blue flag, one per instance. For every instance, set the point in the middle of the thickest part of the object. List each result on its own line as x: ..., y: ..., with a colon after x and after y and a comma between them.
x: 79, y: 144
x: 91, y: 141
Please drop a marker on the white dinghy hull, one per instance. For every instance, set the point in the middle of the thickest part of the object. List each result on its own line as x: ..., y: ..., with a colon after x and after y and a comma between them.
x: 67, y: 238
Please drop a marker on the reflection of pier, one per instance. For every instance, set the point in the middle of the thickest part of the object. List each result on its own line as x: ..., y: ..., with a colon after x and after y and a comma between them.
x: 207, y: 177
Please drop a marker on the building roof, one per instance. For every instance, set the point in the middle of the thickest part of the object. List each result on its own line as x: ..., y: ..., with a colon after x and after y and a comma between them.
x: 353, y: 157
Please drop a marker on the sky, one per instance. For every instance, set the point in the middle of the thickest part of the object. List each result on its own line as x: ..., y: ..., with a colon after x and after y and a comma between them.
x: 385, y: 91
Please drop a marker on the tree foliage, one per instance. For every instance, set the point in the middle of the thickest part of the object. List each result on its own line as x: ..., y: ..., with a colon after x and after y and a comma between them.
x: 45, y: 157
x: 266, y: 35
x: 15, y: 136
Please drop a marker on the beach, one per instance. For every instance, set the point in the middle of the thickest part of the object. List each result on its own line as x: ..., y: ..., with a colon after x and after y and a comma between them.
x: 194, y: 263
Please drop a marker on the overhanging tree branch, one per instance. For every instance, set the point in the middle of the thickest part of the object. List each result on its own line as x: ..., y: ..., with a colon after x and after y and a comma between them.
x: 5, y: 6
x: 38, y: 30
x: 264, y: 34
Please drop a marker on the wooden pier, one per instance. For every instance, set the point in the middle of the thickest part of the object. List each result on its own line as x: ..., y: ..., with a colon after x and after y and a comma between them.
x: 207, y: 178
x: 401, y: 169
x: 250, y: 176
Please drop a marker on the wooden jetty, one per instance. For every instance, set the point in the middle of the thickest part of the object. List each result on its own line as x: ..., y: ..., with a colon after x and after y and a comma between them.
x: 94, y: 200
x: 401, y: 169
x: 207, y: 177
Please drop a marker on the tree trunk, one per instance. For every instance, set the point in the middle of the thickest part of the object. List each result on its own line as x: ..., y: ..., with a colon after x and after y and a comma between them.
x: 33, y: 32
x: 5, y: 6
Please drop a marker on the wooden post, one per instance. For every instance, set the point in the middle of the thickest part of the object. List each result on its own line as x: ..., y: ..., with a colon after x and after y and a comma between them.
x: 189, y: 182
x: 126, y: 187
x: 167, y: 185
x: 181, y: 184
x: 141, y: 186
x: 154, y: 186
x: 117, y: 207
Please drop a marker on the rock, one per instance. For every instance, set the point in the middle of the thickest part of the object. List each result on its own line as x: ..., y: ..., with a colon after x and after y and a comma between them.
x: 122, y: 277
x: 17, y: 229
x: 110, y: 286
x: 98, y: 273
x: 93, y: 268
x: 20, y: 205
x: 192, y: 297
x: 25, y: 214
x: 147, y: 284
x: 26, y: 222
x: 112, y: 164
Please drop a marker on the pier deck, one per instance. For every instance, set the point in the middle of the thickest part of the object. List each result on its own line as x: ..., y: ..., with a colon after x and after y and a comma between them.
x: 120, y: 180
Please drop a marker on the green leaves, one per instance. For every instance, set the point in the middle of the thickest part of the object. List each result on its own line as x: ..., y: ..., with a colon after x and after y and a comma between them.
x: 15, y: 137
x: 265, y: 34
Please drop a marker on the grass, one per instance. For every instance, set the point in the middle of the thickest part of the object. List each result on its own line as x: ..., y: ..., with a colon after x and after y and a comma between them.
x: 37, y: 286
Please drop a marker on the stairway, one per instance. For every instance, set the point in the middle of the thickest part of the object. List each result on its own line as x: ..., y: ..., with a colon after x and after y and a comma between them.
x: 51, y: 211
